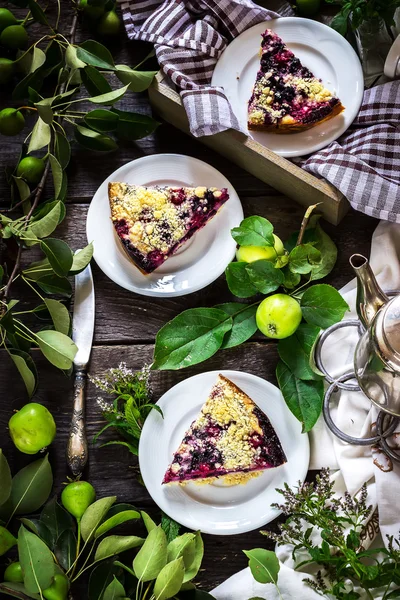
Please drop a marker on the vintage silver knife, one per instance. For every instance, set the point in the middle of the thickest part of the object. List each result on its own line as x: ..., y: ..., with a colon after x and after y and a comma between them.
x: 82, y: 334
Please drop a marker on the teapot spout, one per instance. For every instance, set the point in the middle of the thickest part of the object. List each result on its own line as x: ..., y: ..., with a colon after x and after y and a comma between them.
x: 370, y: 297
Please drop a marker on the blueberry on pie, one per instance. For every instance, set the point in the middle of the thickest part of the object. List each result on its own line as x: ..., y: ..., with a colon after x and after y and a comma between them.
x: 153, y: 222
x: 286, y: 96
x: 231, y: 437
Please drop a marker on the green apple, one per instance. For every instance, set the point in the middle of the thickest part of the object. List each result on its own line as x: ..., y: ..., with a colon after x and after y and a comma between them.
x: 252, y: 253
x: 278, y: 316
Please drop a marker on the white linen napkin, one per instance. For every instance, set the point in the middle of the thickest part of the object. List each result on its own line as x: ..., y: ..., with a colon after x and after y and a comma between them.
x: 351, y: 465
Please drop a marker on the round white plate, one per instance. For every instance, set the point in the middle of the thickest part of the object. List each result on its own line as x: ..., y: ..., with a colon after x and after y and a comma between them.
x: 324, y: 51
x: 217, y: 508
x: 199, y: 262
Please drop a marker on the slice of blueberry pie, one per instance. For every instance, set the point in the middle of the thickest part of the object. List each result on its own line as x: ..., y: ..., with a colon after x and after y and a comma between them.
x: 286, y: 96
x: 153, y: 222
x: 231, y: 438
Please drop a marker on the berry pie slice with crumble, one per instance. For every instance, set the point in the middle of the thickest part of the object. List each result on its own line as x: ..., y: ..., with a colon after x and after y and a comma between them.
x: 231, y: 438
x: 286, y: 96
x: 153, y: 222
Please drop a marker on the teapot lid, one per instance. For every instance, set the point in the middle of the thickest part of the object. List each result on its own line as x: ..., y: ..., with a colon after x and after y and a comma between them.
x: 391, y: 331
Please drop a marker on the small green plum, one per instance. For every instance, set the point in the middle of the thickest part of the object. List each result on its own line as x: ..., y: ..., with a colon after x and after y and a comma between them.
x: 252, y: 253
x: 278, y: 316
x: 32, y: 428
x: 77, y: 496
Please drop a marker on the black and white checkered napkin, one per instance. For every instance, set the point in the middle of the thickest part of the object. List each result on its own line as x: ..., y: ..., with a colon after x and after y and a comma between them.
x: 189, y: 37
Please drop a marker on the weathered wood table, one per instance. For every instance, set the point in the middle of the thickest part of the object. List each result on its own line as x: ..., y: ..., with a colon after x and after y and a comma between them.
x: 126, y: 324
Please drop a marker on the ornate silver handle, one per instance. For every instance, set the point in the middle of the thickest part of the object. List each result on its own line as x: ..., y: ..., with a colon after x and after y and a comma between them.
x: 77, y: 451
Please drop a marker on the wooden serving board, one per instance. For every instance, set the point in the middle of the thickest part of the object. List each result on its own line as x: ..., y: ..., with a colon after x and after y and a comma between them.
x: 274, y: 170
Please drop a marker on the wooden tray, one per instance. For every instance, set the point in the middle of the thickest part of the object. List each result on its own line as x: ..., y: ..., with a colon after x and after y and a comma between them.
x: 274, y: 170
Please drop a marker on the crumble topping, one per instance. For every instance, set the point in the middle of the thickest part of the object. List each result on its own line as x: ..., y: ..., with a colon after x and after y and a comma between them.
x: 286, y: 92
x: 230, y: 436
x: 153, y: 222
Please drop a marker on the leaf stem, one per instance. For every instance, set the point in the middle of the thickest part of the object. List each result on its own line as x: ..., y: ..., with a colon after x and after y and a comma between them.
x: 304, y: 222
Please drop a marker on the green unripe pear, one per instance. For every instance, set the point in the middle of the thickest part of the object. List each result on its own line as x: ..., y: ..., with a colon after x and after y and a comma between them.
x: 32, y: 428
x: 109, y: 24
x: 77, y: 497
x: 14, y: 573
x: 6, y: 18
x: 58, y: 589
x: 31, y: 169
x: 91, y: 11
x: 7, y: 540
x: 14, y: 37
x: 12, y: 121
x: 6, y: 69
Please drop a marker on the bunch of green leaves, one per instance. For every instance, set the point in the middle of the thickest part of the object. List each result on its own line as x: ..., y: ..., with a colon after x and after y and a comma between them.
x: 53, y: 543
x: 328, y: 532
x: 354, y: 13
x: 56, y: 63
x: 197, y: 334
x: 128, y: 410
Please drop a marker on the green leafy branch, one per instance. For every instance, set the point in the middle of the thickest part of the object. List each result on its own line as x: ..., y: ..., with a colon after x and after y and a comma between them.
x: 308, y: 255
x: 57, y: 547
x: 354, y: 13
x: 53, y: 62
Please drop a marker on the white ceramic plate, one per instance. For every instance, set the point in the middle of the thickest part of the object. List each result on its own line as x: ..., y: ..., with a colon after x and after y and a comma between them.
x: 217, y: 508
x: 199, y: 262
x: 329, y: 56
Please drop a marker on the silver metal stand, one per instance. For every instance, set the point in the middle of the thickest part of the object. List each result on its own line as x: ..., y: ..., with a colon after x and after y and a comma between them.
x: 385, y: 425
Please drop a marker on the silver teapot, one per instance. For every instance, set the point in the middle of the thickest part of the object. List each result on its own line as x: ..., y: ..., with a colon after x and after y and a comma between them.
x: 377, y: 355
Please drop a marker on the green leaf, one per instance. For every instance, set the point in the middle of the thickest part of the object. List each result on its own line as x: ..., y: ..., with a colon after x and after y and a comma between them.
x: 59, y: 255
x: 114, y: 521
x: 303, y: 398
x: 45, y: 111
x: 26, y: 367
x: 192, y: 570
x: 38, y: 59
x: 52, y: 284
x: 152, y: 557
x: 169, y: 580
x: 264, y: 276
x: 94, y: 82
x: 131, y: 447
x: 37, y: 12
x: 296, y: 351
x: 114, y: 591
x: 7, y: 540
x: 244, y: 323
x: 109, y: 98
x: 58, y: 348
x: 65, y: 549
x: 16, y: 589
x: 95, y: 54
x: 41, y: 136
x: 5, y: 478
x: 134, y: 126
x: 323, y: 306
x: 340, y: 22
x: 254, y: 231
x: 62, y: 150
x: 148, y: 521
x: 57, y: 173
x: 114, y: 544
x: 23, y: 188
x: 303, y: 258
x: 46, y: 207
x: 101, y: 120
x: 31, y: 487
x: 182, y: 546
x: 72, y: 59
x: 264, y: 565
x: 100, y: 578
x: 193, y: 336
x: 36, y: 561
x: 138, y: 81
x: 56, y: 518
x: 39, y: 529
x: 170, y: 527
x: 59, y: 315
x: 238, y: 280
x: 47, y: 224
x: 327, y: 248
x: 93, y: 140
x: 94, y: 515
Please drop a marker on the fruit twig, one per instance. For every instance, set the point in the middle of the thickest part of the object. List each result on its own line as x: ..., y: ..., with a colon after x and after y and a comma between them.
x: 39, y: 190
x: 304, y: 222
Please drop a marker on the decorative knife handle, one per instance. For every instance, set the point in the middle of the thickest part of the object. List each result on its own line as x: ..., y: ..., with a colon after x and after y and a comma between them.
x: 77, y: 451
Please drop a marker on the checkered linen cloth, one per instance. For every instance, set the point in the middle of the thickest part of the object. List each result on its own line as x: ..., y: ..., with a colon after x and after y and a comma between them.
x: 189, y: 37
